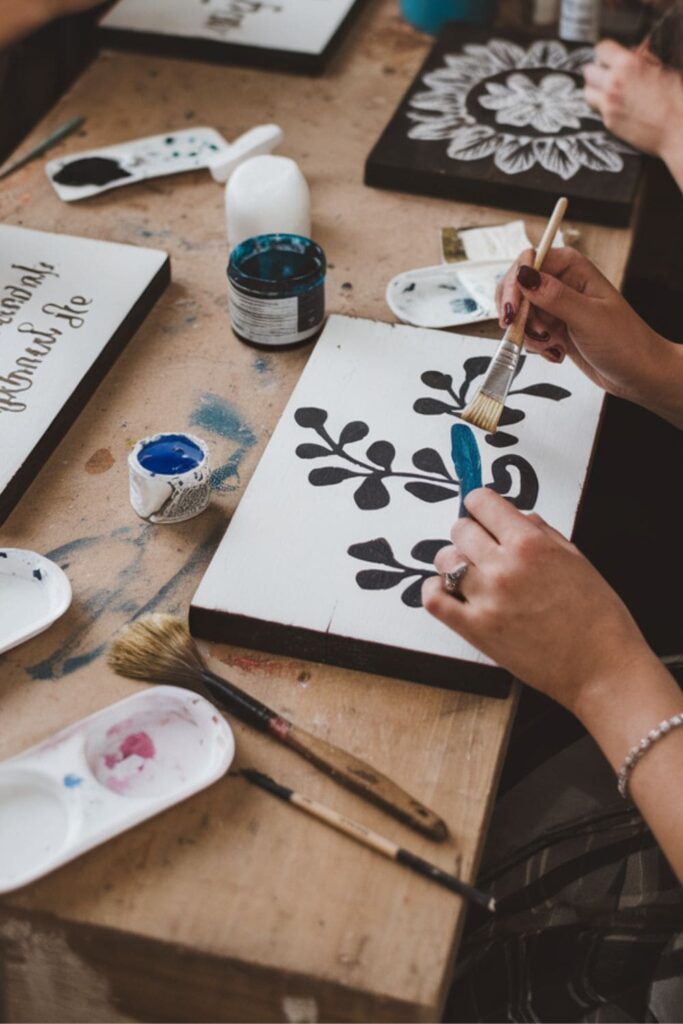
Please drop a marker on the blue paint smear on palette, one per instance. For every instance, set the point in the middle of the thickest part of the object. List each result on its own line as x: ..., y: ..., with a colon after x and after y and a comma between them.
x: 217, y: 416
x: 467, y: 462
x: 464, y: 306
x: 71, y: 781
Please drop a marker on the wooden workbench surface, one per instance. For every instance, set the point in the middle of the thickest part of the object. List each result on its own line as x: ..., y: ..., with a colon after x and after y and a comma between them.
x: 232, y: 906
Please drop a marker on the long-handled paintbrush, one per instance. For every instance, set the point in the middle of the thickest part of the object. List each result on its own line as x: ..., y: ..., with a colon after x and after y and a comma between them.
x: 486, y: 407
x: 159, y: 649
x: 366, y: 836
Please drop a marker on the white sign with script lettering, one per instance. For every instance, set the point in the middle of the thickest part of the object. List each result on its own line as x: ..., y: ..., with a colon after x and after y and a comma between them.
x: 67, y: 308
x: 295, y: 33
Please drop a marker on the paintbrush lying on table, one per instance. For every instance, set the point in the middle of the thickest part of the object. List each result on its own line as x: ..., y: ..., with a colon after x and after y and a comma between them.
x: 366, y: 836
x: 159, y: 649
x: 487, y: 406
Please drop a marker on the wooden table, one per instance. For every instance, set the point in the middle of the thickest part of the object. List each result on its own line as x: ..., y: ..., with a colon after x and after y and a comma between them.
x: 231, y: 906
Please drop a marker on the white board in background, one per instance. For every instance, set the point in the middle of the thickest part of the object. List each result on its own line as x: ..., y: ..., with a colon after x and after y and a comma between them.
x: 283, y: 579
x: 68, y: 306
x: 302, y: 29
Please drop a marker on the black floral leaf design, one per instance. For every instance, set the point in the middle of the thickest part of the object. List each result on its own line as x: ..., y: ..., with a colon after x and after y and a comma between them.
x: 438, y: 381
x: 412, y: 595
x: 311, y: 451
x: 427, y: 550
x: 551, y: 391
x: 429, y: 461
x: 382, y: 453
x: 354, y: 431
x: 430, y: 492
x: 372, y: 494
x: 432, y: 407
x: 378, y: 579
x: 473, y: 367
x: 510, y: 416
x: 329, y: 475
x: 309, y: 416
x: 527, y: 495
x: 377, y: 550
x: 501, y: 440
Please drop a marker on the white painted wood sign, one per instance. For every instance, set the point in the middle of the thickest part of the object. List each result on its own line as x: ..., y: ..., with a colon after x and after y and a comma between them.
x: 357, y: 490
x: 297, y: 34
x: 67, y: 308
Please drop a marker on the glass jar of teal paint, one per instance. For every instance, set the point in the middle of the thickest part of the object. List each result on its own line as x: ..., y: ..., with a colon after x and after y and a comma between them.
x: 276, y: 289
x: 430, y: 15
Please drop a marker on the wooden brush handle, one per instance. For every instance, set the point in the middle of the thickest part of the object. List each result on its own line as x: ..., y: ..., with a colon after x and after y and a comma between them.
x: 515, y: 332
x: 350, y: 771
x: 361, y: 777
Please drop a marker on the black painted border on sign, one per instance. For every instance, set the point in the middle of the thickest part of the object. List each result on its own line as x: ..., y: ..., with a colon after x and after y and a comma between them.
x: 215, y: 52
x: 409, y: 165
x: 347, y: 652
x: 79, y: 397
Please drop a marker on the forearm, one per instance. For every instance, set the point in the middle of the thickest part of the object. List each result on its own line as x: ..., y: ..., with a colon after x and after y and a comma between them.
x: 619, y: 712
x: 672, y: 147
x: 19, y: 18
x: 660, y: 388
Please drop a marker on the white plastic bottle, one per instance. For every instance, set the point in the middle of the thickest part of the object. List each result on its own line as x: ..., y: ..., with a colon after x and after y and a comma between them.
x: 267, y: 194
x: 580, y: 20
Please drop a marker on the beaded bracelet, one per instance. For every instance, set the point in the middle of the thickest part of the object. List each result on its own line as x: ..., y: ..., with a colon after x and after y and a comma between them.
x: 635, y: 753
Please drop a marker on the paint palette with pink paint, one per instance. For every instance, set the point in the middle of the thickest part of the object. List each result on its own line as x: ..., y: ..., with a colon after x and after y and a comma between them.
x: 103, y: 775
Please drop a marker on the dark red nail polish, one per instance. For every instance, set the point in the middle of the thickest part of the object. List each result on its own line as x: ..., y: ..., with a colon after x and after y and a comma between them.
x: 509, y: 313
x: 556, y: 354
x: 528, y: 278
x: 541, y: 336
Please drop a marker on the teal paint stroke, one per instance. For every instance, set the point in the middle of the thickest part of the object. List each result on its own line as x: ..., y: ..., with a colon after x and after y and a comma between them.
x: 467, y: 462
x: 217, y: 416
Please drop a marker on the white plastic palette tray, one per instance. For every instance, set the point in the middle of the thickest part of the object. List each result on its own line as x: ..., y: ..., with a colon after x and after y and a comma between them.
x: 34, y: 592
x: 103, y: 775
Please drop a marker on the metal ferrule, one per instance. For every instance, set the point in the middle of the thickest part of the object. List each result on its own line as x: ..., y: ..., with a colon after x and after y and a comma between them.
x: 501, y: 371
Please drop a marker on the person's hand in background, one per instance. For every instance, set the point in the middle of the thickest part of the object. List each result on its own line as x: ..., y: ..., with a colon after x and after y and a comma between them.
x: 575, y: 311
x: 640, y: 100
x: 18, y: 18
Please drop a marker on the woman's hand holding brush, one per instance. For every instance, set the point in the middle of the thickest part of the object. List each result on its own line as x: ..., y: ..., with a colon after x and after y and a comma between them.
x: 576, y: 311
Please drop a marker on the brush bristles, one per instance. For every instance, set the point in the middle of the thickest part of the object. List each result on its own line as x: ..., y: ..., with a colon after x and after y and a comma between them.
x: 483, y: 412
x: 159, y: 649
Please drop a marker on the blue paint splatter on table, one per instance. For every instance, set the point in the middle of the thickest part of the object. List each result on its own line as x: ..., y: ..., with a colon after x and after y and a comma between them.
x: 217, y: 416
x: 71, y: 781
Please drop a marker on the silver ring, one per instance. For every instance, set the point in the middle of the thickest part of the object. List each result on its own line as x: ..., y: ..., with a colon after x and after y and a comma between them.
x: 451, y: 581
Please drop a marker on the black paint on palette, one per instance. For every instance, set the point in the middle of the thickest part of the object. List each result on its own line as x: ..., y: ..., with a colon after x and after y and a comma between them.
x: 502, y: 120
x: 91, y: 170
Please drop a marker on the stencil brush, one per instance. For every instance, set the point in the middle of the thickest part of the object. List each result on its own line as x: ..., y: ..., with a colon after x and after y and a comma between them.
x: 159, y: 649
x: 487, y: 406
x: 368, y: 837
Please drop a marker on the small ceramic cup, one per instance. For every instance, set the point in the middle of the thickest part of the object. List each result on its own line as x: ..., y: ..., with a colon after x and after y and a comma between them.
x: 169, y: 477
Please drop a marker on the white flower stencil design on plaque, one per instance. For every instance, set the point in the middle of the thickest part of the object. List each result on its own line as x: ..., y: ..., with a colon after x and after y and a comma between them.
x: 521, y: 106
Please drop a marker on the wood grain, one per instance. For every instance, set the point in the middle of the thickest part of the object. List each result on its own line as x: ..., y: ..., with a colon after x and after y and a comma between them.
x: 225, y: 908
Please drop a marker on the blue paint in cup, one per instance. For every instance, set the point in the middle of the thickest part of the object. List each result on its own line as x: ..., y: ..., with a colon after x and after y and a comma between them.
x: 170, y: 454
x: 431, y: 15
x: 276, y: 289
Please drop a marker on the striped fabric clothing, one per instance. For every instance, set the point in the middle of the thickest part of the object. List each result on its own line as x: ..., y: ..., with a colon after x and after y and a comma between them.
x: 590, y: 916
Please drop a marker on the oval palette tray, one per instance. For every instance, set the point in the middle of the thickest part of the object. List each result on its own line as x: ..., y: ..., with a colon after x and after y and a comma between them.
x: 34, y: 592
x: 446, y: 295
x: 103, y: 775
